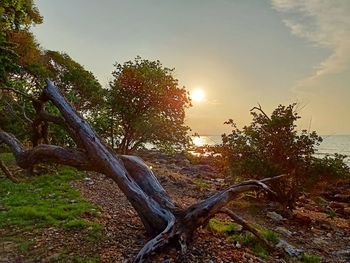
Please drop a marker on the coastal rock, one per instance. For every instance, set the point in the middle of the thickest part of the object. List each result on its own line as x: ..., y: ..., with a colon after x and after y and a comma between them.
x: 283, y: 231
x: 289, y: 249
x: 343, y: 253
x: 275, y: 216
x: 320, y: 241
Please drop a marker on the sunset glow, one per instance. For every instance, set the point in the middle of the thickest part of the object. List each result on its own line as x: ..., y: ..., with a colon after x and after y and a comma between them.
x: 197, y: 95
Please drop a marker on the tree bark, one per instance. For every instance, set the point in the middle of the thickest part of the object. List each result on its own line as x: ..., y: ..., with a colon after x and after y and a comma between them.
x: 161, y: 217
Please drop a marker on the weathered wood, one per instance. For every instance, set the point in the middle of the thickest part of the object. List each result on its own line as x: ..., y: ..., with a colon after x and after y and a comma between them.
x: 108, y: 163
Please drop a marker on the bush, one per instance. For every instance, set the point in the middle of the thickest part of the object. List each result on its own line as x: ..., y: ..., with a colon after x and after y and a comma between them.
x: 330, y: 166
x: 270, y: 146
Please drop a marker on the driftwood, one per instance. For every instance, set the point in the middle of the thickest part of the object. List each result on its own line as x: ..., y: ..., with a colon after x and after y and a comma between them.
x: 163, y: 220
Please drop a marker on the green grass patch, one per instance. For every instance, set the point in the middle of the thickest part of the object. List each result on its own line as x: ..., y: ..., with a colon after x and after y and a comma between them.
x: 249, y: 240
x: 224, y: 227
x: 7, y: 158
x: 47, y: 200
x: 201, y: 183
x: 244, y: 238
x: 306, y: 258
x: 23, y: 244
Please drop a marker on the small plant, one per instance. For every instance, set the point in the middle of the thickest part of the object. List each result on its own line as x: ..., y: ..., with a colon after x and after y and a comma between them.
x: 331, y: 213
x: 244, y: 238
x: 306, y: 258
x: 201, y: 183
x: 270, y: 236
x: 249, y: 240
x: 222, y: 226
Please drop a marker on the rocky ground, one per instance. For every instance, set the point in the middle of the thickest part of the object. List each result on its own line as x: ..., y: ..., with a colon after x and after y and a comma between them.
x: 319, y: 225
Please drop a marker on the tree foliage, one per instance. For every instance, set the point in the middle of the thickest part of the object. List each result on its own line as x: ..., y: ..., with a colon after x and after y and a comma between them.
x: 146, y: 105
x: 271, y: 145
x: 24, y: 66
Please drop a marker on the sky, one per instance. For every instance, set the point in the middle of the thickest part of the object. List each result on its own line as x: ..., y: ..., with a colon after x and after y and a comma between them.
x: 238, y: 52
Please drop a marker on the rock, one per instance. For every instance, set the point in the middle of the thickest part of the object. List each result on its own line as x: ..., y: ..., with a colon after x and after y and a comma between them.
x: 329, y: 235
x: 204, y: 168
x: 275, y: 216
x: 342, y: 197
x: 343, y: 253
x: 320, y: 241
x: 88, y: 180
x: 289, y: 249
x: 238, y: 245
x: 283, y: 231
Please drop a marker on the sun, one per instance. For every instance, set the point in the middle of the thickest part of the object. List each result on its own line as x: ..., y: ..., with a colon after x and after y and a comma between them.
x: 197, y: 95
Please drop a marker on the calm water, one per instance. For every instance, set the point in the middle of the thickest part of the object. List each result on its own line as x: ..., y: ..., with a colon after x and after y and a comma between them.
x: 331, y: 144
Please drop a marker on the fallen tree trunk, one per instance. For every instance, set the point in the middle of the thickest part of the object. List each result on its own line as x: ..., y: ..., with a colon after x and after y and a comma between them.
x: 161, y: 217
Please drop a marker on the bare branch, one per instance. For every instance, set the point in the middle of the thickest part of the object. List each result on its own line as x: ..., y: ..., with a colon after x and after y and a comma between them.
x: 25, y: 95
x: 46, y: 154
x: 248, y: 227
x: 259, y: 108
x: 7, y: 172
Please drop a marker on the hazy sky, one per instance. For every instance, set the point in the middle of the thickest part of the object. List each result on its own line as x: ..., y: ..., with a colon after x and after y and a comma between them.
x: 239, y: 52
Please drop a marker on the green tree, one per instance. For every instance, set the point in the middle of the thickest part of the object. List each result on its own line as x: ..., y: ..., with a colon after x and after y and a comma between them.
x: 24, y: 66
x: 270, y: 146
x: 146, y: 105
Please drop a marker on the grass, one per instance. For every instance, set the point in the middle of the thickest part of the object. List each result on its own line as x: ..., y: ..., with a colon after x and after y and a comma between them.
x: 331, y: 213
x: 222, y: 226
x: 47, y: 200
x: 244, y: 238
x: 7, y: 157
x: 201, y: 183
x: 306, y: 258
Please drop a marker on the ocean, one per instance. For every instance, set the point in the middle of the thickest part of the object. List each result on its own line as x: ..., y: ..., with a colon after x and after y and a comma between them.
x: 331, y: 144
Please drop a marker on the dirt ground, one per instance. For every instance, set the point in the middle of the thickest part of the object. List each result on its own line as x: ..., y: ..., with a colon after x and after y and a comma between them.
x: 311, y: 229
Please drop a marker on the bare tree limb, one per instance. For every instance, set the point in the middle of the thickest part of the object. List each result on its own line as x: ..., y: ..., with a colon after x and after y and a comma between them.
x: 259, y: 108
x: 248, y: 227
x: 7, y: 172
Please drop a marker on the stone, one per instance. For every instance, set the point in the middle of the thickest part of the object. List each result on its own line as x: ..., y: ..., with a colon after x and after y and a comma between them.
x: 274, y: 216
x: 320, y: 241
x: 289, y: 249
x: 283, y: 231
x: 343, y: 253
x: 88, y: 180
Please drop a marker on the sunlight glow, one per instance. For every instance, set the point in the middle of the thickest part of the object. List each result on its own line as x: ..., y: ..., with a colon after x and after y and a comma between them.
x: 197, y: 95
x: 199, y: 141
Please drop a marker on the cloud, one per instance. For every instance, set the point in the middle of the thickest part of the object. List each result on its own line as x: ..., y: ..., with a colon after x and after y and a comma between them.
x: 325, y: 24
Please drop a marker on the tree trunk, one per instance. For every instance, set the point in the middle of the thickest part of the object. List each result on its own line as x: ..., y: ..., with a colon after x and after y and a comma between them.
x: 161, y: 217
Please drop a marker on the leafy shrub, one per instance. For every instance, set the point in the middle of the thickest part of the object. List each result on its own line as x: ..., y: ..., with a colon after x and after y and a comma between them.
x: 330, y: 166
x: 270, y: 146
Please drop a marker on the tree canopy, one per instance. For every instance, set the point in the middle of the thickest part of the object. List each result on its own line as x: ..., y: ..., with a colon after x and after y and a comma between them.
x: 146, y: 106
